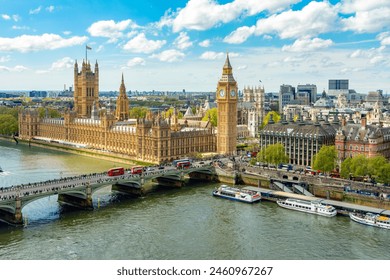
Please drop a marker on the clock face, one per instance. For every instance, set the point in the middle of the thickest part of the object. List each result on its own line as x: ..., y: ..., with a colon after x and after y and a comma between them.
x: 222, y: 93
x: 232, y: 93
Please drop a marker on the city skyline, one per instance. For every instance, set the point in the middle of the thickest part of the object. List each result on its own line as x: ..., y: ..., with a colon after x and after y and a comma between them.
x: 159, y: 45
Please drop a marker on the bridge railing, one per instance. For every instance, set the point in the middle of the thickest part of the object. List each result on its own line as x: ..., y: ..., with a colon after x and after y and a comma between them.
x: 63, y: 184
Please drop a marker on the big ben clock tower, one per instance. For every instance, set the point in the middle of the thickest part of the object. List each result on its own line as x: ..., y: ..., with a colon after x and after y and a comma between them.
x: 227, y: 111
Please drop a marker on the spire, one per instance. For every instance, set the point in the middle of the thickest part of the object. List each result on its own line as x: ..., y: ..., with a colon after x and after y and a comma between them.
x: 122, y: 103
x: 227, y: 62
x: 122, y: 89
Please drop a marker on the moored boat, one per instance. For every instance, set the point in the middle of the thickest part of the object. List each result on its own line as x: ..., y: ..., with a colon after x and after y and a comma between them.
x: 371, y: 219
x: 243, y: 195
x: 313, y: 207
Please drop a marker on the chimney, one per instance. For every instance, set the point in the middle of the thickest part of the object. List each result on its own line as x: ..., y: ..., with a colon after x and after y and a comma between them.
x: 343, y: 121
x: 364, y: 122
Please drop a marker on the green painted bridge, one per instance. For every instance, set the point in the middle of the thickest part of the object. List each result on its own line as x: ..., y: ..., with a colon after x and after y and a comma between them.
x: 77, y: 191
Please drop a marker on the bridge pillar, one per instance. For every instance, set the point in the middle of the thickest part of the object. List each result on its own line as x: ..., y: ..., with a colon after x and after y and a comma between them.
x: 77, y: 201
x: 18, y: 211
x: 129, y: 188
x: 15, y: 218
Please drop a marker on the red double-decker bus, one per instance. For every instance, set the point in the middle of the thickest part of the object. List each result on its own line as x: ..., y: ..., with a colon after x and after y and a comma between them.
x: 183, y: 164
x: 116, y: 171
x: 137, y: 169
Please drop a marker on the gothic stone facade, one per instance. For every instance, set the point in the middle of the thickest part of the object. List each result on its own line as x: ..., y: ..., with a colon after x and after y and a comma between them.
x: 227, y: 111
x: 152, y: 139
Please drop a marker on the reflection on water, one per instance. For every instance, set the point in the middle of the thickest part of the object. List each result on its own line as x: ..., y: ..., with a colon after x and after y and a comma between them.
x: 187, y: 223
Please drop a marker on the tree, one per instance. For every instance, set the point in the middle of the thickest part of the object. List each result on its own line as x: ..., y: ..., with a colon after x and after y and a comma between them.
x: 252, y: 147
x: 274, y: 154
x: 8, y: 124
x: 384, y: 174
x: 359, y: 165
x: 375, y: 164
x: 346, y: 168
x: 275, y: 116
x: 9, y: 111
x: 213, y: 113
x: 325, y: 159
x: 138, y: 112
x: 168, y: 113
x: 51, y: 113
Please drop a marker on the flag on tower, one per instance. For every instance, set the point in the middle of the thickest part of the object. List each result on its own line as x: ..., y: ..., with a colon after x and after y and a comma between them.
x: 88, y: 47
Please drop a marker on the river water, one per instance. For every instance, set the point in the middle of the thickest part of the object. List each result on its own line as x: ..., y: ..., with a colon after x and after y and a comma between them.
x: 170, y: 224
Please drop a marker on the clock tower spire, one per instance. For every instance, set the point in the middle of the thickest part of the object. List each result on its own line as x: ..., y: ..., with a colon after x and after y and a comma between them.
x: 227, y: 111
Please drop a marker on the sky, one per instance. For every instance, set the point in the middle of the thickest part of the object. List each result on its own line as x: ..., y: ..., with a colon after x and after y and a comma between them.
x: 173, y: 45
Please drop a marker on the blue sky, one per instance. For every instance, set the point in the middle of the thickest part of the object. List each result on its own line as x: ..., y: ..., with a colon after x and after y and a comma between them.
x: 181, y: 44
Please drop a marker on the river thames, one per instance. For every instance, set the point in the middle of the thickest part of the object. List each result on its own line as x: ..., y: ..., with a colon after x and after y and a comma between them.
x: 170, y: 224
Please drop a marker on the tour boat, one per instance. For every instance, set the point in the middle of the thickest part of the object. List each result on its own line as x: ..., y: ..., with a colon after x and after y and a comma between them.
x: 237, y: 194
x: 371, y: 219
x: 313, y: 207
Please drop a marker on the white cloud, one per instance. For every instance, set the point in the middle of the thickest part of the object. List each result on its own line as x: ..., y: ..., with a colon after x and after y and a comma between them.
x: 205, y: 44
x: 35, y: 11
x: 8, y: 17
x: 16, y: 27
x: 205, y: 14
x: 372, y: 56
x: 63, y: 63
x: 5, y: 17
x: 110, y: 29
x: 16, y: 18
x: 377, y: 59
x: 67, y: 32
x: 50, y: 9
x: 240, y: 35
x: 166, y: 19
x: 384, y: 38
x: 135, y: 62
x: 307, y: 45
x: 352, y: 6
x: 242, y: 67
x: 267, y: 37
x: 169, y: 56
x: 28, y: 43
x: 368, y: 21
x: 17, y: 68
x: 355, y: 54
x: 131, y: 34
x: 315, y: 18
x: 295, y: 59
x: 182, y: 42
x: 100, y: 48
x: 4, y: 58
x: 140, y: 44
x: 210, y: 55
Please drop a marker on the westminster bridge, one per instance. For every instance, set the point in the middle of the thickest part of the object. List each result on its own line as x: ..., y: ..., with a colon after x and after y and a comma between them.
x: 77, y: 191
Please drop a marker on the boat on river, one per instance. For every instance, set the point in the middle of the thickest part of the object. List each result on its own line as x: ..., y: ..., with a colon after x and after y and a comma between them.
x: 243, y: 195
x: 371, y: 219
x: 312, y: 207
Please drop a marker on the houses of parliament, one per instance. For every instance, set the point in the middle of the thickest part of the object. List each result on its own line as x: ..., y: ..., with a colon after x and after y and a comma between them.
x: 153, y: 138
